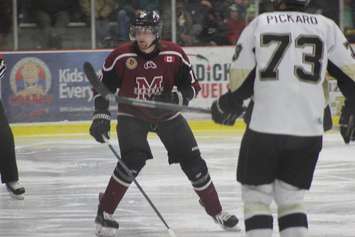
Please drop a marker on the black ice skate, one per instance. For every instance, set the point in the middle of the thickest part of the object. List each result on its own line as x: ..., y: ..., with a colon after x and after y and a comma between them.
x: 227, y: 221
x: 106, y: 226
x: 16, y: 190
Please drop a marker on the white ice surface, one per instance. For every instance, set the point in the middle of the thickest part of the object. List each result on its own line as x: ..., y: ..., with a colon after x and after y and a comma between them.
x: 63, y: 177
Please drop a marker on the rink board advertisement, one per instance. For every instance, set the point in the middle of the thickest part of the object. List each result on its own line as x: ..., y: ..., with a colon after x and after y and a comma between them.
x: 51, y: 86
x: 48, y: 86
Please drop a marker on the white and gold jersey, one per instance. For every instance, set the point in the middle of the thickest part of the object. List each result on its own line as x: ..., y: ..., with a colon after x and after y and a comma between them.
x: 289, y: 52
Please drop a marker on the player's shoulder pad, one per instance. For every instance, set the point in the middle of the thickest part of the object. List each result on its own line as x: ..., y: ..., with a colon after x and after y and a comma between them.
x: 171, y: 48
x: 325, y: 19
x: 125, y: 48
x: 121, y: 53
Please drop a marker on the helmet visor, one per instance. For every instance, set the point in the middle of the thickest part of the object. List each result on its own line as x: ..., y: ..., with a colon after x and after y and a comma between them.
x: 133, y: 30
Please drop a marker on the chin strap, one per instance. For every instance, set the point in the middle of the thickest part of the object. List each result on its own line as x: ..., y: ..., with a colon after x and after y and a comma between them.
x: 155, y: 42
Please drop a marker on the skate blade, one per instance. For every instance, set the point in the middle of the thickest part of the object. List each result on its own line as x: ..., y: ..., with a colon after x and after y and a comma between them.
x: 17, y: 197
x: 105, y: 231
x: 231, y: 229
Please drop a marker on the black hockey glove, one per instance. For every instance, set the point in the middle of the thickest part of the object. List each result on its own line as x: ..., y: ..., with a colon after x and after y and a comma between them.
x: 2, y: 68
x: 226, y: 109
x: 101, y: 125
x: 173, y: 97
x: 347, y: 122
x: 168, y: 97
x: 222, y: 117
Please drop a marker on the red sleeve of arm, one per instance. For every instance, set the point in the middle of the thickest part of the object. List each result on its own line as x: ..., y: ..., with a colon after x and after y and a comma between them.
x: 186, y: 80
x: 110, y: 78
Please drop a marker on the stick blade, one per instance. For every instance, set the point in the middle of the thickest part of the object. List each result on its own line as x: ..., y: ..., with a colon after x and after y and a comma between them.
x: 171, y: 233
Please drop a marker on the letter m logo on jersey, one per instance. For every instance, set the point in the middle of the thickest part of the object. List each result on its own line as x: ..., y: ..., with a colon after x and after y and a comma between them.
x: 145, y: 90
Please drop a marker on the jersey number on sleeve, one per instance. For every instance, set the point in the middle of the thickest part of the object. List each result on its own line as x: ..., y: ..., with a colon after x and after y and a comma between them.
x: 283, y: 41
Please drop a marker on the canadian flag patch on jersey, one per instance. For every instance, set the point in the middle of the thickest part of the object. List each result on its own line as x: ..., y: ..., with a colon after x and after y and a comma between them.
x: 169, y: 59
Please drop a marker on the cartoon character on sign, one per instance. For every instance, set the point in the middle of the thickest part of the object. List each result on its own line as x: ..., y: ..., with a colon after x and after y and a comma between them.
x: 30, y: 82
x: 30, y: 77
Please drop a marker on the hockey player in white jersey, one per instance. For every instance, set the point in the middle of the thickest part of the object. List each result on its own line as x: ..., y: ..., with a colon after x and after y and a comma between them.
x: 281, y: 59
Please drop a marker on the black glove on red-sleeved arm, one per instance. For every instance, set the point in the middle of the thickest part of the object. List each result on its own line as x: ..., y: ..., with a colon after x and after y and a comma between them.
x: 101, y: 120
x: 173, y: 97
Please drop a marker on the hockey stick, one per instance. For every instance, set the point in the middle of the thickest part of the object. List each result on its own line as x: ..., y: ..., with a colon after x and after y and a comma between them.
x: 129, y: 172
x: 103, y: 91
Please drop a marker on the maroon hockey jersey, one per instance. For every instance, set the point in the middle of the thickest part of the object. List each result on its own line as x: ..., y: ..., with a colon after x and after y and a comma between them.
x: 141, y: 76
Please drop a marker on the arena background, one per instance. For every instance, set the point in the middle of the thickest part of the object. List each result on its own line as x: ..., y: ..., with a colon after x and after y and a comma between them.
x: 46, y: 92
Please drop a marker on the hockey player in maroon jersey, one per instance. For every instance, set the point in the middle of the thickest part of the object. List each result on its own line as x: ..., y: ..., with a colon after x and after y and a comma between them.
x: 8, y: 166
x: 151, y: 69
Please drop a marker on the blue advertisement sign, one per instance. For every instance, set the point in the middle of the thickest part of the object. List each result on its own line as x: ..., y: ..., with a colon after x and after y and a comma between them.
x: 49, y: 86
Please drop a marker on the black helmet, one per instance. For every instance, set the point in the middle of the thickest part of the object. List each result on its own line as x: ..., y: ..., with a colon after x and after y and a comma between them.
x: 147, y: 21
x: 301, y: 3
